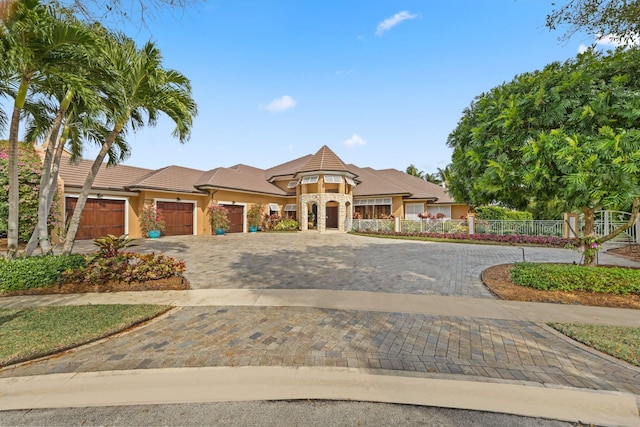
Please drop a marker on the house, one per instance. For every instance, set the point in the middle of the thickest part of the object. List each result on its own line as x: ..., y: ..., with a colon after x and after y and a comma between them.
x: 318, y: 190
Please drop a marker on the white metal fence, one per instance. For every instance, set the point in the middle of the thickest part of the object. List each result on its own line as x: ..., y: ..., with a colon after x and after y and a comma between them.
x: 522, y: 227
x: 607, y: 221
x: 434, y: 226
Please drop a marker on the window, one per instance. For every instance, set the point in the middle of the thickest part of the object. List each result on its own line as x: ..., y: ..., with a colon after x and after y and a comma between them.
x: 332, y: 179
x: 371, y: 202
x: 439, y: 209
x: 274, y: 207
x: 311, y: 179
x: 372, y: 208
x: 292, y: 184
x: 350, y: 181
x: 412, y: 210
x: 290, y: 210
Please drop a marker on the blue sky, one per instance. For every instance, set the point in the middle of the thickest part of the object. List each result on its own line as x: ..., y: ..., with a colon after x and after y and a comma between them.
x: 382, y: 83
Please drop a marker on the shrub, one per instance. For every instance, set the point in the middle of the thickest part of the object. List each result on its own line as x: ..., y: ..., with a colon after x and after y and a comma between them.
x: 111, y: 245
x: 151, y: 218
x: 126, y: 267
x: 29, y: 169
x: 511, y: 239
x: 36, y: 272
x: 498, y: 212
x: 218, y: 217
x: 286, y: 224
x: 569, y: 277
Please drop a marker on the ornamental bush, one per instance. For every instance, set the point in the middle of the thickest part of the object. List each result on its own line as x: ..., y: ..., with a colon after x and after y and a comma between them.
x: 510, y: 239
x: 37, y: 271
x: 498, y: 212
x: 29, y: 169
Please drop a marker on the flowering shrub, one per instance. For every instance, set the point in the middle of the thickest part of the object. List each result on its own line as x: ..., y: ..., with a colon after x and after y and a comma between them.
x: 440, y: 215
x: 29, y: 170
x: 511, y: 239
x: 218, y: 216
x: 151, y: 219
x: 589, y: 246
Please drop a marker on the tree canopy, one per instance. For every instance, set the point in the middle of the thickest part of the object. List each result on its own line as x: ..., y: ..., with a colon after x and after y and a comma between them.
x: 619, y: 19
x: 566, y: 136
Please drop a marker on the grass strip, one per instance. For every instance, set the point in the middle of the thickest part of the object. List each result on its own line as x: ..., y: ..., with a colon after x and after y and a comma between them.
x: 569, y: 277
x: 27, y: 333
x: 617, y: 341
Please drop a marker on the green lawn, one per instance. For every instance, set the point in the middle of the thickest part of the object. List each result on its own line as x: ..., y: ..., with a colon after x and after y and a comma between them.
x: 27, y: 333
x: 617, y: 341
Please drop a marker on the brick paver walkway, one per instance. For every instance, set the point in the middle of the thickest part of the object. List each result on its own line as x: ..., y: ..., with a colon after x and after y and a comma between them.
x: 425, y: 345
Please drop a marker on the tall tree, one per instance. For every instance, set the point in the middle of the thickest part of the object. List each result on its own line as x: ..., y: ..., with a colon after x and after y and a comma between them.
x: 444, y: 175
x: 568, y: 135
x: 139, y: 90
x: 36, y: 44
x: 619, y: 19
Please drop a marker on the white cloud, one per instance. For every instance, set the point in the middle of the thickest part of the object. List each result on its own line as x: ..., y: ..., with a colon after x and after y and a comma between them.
x: 391, y: 22
x: 280, y: 104
x: 611, y: 41
x: 354, y: 141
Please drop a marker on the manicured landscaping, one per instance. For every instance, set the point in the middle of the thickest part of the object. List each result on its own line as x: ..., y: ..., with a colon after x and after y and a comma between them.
x: 617, y: 341
x: 490, y: 239
x: 569, y: 277
x: 28, y: 333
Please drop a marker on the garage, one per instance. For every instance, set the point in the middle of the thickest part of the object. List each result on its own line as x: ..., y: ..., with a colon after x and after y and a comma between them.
x: 178, y: 217
x: 236, y: 218
x: 99, y: 217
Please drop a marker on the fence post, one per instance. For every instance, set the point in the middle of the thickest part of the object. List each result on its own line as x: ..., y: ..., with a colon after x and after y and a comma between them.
x: 398, y: 225
x: 638, y: 228
x: 570, y: 225
x: 471, y: 223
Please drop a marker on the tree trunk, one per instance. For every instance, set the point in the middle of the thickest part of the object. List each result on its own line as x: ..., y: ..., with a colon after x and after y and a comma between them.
x: 41, y: 233
x: 86, y: 188
x: 588, y: 233
x: 14, y: 178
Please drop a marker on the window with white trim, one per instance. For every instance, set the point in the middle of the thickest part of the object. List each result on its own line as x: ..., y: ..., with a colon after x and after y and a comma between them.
x: 413, y: 210
x: 350, y: 181
x: 439, y: 209
x: 274, y: 207
x: 310, y: 179
x: 333, y: 179
x: 290, y: 210
x: 292, y: 184
x: 372, y: 208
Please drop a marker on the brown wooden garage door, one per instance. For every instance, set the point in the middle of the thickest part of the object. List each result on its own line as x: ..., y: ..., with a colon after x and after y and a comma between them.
x: 99, y: 217
x: 178, y: 218
x: 236, y: 218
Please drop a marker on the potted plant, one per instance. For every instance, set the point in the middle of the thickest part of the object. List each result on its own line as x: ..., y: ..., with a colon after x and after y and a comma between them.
x: 254, y: 217
x: 151, y: 221
x: 218, y: 218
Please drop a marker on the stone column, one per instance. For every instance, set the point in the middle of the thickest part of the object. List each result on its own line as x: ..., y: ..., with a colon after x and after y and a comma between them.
x: 571, y: 225
x: 471, y: 222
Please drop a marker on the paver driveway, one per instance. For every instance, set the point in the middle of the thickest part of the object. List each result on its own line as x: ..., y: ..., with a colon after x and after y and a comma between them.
x: 338, y: 261
x: 483, y: 349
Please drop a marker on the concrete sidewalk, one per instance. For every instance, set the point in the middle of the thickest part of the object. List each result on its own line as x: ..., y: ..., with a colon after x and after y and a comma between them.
x: 188, y: 385
x: 348, y: 300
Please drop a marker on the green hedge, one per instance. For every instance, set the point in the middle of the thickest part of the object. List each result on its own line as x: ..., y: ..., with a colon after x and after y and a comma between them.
x: 497, y: 212
x: 36, y: 272
x: 569, y: 277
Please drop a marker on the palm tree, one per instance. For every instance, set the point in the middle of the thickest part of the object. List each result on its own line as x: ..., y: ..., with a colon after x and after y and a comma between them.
x: 138, y: 87
x: 36, y: 44
x: 413, y: 170
x: 445, y: 175
x: 432, y: 178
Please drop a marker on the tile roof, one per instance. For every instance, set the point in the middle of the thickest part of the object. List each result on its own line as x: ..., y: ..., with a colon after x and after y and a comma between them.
x: 324, y: 160
x: 287, y: 169
x: 239, y: 177
x: 371, y: 182
x: 108, y: 178
x: 170, y: 178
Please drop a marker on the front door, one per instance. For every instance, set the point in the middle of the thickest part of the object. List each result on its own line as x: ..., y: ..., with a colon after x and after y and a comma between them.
x: 332, y: 217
